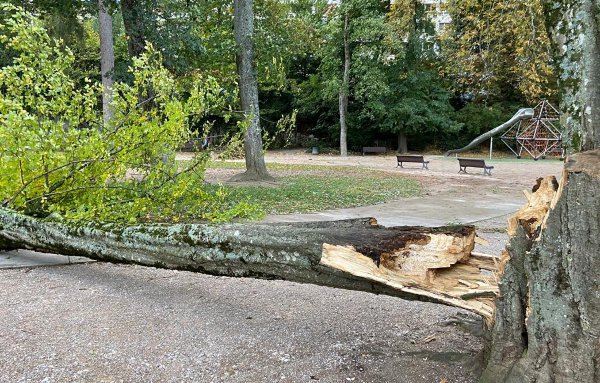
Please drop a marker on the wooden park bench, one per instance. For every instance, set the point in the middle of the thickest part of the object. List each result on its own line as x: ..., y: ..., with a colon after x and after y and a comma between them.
x: 373, y: 149
x: 411, y: 158
x: 464, y: 163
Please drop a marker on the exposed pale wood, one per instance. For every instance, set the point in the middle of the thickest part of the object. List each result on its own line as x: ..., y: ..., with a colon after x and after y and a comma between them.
x: 533, y: 214
x: 430, y: 252
x: 481, y: 241
x: 436, y: 267
x: 483, y: 255
x: 470, y: 285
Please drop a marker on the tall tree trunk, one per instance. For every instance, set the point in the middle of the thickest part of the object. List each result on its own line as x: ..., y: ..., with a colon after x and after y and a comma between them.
x: 107, y: 60
x: 548, y: 315
x: 402, y: 143
x: 243, y: 28
x: 344, y: 89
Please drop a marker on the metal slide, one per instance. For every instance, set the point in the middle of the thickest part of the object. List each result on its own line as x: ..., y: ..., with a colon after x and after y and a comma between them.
x: 522, y: 114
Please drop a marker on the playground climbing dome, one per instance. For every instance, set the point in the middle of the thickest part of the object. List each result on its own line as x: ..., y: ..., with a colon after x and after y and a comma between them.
x: 538, y: 136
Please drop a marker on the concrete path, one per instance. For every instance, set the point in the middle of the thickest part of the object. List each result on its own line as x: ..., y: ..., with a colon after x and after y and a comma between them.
x: 27, y: 258
x: 422, y: 211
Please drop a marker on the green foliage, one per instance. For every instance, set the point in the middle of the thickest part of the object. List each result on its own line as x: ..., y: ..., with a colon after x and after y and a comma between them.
x: 421, y: 105
x: 478, y: 119
x: 317, y: 94
x: 58, y: 158
x: 418, y: 100
x: 399, y: 83
x: 283, y: 134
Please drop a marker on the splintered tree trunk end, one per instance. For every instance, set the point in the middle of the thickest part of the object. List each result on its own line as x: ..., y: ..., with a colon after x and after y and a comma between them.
x: 439, y: 267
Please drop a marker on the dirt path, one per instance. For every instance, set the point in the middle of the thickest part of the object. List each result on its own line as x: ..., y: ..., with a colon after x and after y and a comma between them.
x: 509, y: 177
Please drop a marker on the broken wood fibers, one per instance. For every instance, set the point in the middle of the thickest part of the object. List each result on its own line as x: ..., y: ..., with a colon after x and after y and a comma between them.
x: 443, y: 266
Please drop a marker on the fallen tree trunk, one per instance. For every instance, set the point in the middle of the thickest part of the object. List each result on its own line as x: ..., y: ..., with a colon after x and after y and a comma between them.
x: 428, y: 264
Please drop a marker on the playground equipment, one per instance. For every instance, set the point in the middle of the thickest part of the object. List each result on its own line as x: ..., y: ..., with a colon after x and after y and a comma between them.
x: 533, y: 130
x: 537, y: 136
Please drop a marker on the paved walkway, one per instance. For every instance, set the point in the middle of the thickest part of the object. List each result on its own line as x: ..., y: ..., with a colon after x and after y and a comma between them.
x: 449, y: 197
x: 27, y: 258
x: 423, y: 211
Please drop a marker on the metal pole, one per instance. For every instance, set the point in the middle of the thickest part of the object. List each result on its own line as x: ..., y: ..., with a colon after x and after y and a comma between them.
x: 491, y: 145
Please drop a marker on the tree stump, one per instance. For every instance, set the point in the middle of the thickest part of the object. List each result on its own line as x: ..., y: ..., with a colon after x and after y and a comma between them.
x: 548, y: 312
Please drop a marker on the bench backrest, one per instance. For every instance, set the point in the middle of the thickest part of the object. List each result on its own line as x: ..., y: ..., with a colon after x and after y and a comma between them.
x: 374, y: 149
x: 471, y: 162
x: 407, y: 158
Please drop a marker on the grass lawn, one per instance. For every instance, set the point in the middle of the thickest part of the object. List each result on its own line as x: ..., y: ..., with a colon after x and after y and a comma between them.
x: 309, y: 188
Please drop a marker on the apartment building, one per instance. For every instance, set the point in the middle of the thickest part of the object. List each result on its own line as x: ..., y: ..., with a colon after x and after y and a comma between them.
x: 436, y: 11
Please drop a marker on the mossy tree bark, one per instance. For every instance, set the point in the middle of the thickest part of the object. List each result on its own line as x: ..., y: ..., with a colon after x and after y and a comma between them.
x: 428, y: 264
x: 547, y: 325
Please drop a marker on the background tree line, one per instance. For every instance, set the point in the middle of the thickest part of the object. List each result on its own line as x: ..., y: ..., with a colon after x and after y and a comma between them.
x: 358, y: 72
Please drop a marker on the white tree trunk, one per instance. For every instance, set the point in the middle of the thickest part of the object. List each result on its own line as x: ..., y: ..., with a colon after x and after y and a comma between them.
x: 344, y: 89
x: 107, y: 60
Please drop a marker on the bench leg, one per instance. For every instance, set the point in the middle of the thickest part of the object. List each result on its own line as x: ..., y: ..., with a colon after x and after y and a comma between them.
x: 425, y: 166
x: 400, y: 164
x: 462, y: 169
x: 487, y: 172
